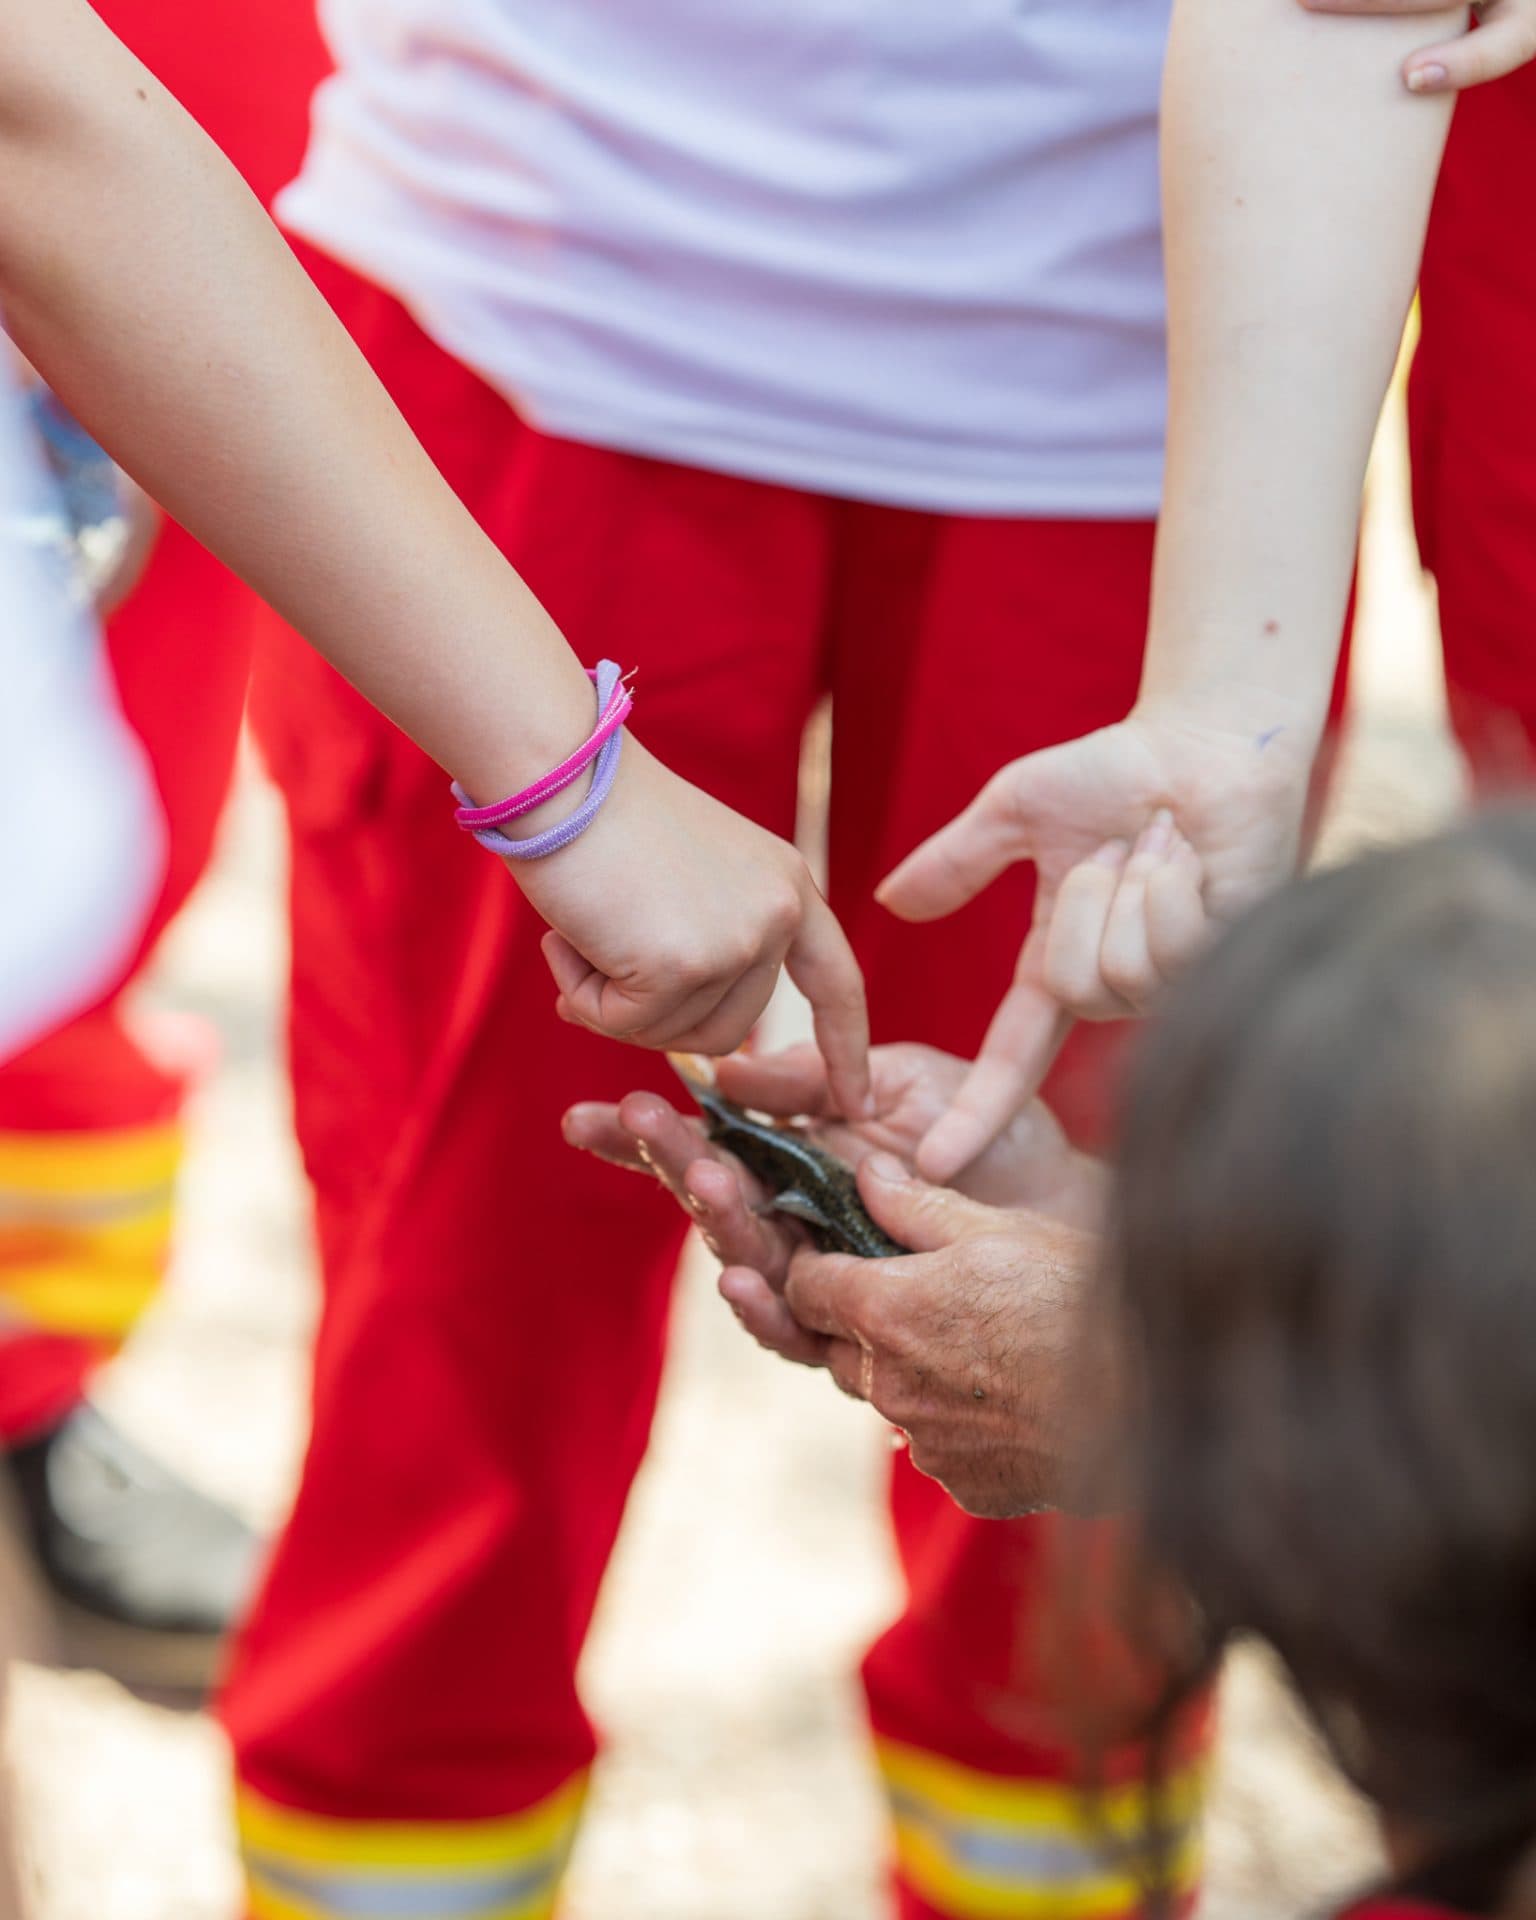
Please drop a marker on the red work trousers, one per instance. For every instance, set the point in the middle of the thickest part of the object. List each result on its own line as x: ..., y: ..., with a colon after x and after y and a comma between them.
x: 404, y: 1706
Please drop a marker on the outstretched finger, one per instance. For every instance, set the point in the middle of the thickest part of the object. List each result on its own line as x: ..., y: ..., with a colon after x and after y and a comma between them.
x: 1026, y: 1034
x: 668, y: 1145
x: 821, y: 964
x: 734, y: 1231
x: 1504, y: 42
x: 594, y: 1127
x: 955, y: 864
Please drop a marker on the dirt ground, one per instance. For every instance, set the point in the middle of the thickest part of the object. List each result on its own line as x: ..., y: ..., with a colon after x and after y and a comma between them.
x: 754, y: 1562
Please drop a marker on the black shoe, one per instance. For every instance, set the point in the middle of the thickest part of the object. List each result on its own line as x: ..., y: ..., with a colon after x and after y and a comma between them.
x: 148, y: 1573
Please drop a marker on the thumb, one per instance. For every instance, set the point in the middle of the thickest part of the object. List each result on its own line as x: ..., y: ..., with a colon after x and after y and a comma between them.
x: 922, y: 1218
x: 956, y: 863
x: 1505, y: 40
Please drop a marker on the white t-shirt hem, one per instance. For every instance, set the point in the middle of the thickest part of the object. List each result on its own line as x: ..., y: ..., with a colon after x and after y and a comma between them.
x: 1070, y: 484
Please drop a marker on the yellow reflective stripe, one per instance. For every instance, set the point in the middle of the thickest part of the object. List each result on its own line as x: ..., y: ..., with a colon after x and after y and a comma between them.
x: 85, y: 1227
x: 932, y: 1873
x: 992, y: 1797
x: 981, y: 1847
x: 92, y: 1302
x: 130, y: 1236
x: 268, y: 1830
x: 264, y: 1903
x: 116, y: 1160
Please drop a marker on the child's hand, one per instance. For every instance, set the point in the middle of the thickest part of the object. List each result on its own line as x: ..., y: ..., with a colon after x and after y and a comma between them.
x: 1505, y: 40
x: 1145, y: 837
x: 672, y: 916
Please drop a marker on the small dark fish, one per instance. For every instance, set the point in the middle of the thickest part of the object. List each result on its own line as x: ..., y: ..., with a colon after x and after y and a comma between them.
x: 801, y: 1179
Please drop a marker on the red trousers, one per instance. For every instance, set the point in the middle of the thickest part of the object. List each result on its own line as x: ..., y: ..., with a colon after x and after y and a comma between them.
x: 404, y: 1706
x: 1472, y: 410
x: 90, y: 1131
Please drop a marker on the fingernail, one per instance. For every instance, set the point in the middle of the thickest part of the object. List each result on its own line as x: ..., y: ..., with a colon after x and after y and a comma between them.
x: 1158, y: 837
x: 1113, y: 853
x: 885, y: 1166
x: 1427, y: 79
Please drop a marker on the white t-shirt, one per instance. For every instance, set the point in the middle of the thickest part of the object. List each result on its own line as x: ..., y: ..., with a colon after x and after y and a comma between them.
x: 82, y: 841
x: 903, y: 250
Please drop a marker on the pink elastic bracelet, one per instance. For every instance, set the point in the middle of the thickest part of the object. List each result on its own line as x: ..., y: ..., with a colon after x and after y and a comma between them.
x: 615, y: 712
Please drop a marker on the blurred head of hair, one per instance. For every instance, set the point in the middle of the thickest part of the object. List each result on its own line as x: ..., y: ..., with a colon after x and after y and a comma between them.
x: 1322, y: 1268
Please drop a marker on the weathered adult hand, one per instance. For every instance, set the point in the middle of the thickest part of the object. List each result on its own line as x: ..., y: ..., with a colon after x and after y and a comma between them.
x: 1030, y: 1164
x: 1505, y: 40
x: 1146, y: 836
x: 969, y: 1345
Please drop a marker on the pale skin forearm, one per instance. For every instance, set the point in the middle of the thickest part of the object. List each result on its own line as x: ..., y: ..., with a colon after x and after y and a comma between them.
x: 1297, y: 178
x: 132, y: 257
x: 149, y: 289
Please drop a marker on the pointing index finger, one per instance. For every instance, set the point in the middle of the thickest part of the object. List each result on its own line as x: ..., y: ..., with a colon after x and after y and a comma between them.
x: 821, y: 964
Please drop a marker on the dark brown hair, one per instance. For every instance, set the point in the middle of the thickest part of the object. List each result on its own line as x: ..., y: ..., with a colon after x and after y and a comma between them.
x: 1323, y: 1263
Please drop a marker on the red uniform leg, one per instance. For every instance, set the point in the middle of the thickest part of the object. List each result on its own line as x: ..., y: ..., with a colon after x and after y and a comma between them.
x: 90, y: 1132
x: 960, y: 645
x: 403, y: 1706
x: 90, y: 1117
x: 1472, y: 413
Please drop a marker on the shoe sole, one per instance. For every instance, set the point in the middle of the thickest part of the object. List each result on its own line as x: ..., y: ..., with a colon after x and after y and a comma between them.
x: 178, y: 1668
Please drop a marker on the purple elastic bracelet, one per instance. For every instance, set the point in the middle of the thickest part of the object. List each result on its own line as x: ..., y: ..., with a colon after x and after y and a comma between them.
x: 610, y: 718
x: 540, y: 845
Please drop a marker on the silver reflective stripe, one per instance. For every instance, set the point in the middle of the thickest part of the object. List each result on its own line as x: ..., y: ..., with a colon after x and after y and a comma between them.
x: 434, y: 1896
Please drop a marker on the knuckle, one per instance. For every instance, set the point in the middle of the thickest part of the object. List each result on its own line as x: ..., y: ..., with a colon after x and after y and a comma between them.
x: 782, y: 912
x: 1071, y: 978
x: 1007, y: 797
x: 692, y: 968
x: 869, y: 1306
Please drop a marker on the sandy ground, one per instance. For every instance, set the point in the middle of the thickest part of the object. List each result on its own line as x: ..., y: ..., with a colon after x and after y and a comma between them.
x: 754, y: 1562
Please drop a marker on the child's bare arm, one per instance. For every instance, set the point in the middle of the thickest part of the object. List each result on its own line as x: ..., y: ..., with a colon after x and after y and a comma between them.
x: 145, y: 283
x: 1298, y: 173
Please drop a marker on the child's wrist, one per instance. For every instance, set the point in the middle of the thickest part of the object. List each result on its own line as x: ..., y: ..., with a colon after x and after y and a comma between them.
x: 556, y: 808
